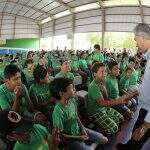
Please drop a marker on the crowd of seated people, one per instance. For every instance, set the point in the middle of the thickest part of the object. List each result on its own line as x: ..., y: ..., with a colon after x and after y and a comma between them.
x: 37, y: 113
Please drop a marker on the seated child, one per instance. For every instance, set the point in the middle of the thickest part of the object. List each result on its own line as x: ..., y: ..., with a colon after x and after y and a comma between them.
x: 99, y: 105
x: 66, y: 120
x: 65, y: 71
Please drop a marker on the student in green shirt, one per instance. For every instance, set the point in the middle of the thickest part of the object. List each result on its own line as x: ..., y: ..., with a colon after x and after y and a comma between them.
x: 14, y: 94
x: 66, y: 120
x: 99, y: 104
x: 76, y: 69
x: 134, y: 77
x: 39, y: 92
x: 83, y: 64
x: 112, y: 86
x: 23, y: 132
x: 28, y: 71
x: 65, y: 71
x: 124, y: 81
x: 1, y: 71
x: 97, y: 55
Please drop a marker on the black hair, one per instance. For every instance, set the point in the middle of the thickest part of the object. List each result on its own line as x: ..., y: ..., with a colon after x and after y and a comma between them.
x: 1, y: 60
x: 94, y: 61
x: 132, y: 59
x: 39, y: 73
x: 111, y: 64
x: 128, y: 68
x: 97, y: 46
x: 10, y: 70
x: 96, y: 66
x: 13, y: 61
x: 59, y: 85
x: 28, y: 61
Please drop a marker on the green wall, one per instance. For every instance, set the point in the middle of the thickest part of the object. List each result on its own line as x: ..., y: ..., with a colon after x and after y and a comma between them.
x: 32, y: 43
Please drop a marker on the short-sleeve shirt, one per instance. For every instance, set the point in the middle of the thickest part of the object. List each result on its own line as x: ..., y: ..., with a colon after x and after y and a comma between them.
x: 65, y: 118
x: 112, y: 87
x: 94, y: 94
x: 69, y: 75
x: 7, y: 98
x: 38, y: 140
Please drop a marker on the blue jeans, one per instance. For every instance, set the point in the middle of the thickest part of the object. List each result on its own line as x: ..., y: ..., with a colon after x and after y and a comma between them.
x: 94, y: 137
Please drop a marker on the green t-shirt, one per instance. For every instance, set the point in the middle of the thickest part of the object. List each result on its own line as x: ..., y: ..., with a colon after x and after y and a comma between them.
x: 112, y: 87
x: 38, y: 140
x: 83, y: 64
x: 134, y: 77
x: 56, y: 64
x: 2, y: 71
x: 68, y: 75
x: 97, y: 56
x: 94, y: 94
x: 124, y: 83
x: 75, y: 64
x: 7, y: 97
x: 28, y: 78
x: 65, y: 118
x: 40, y: 91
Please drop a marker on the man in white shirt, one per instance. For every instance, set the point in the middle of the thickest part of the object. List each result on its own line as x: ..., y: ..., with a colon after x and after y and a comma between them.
x: 141, y: 131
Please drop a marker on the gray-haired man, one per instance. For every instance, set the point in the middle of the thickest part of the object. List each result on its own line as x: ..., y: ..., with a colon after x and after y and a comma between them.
x: 141, y: 131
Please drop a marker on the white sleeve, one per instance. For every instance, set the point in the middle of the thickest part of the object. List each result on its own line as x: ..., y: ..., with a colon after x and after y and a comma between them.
x: 147, y: 118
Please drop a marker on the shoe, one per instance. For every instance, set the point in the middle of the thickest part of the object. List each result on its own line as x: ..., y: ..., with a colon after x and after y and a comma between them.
x: 121, y: 146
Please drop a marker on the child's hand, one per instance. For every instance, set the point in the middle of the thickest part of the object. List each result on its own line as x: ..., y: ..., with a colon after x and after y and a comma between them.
x: 84, y: 137
x: 20, y: 91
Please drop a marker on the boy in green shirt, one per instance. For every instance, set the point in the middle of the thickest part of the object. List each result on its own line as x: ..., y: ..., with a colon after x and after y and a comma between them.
x: 134, y: 77
x: 66, y: 120
x: 99, y: 104
x: 28, y: 71
x: 97, y: 55
x: 14, y: 94
x: 124, y: 81
x: 65, y: 71
x: 1, y: 71
x: 39, y: 92
x: 112, y: 86
x: 23, y: 132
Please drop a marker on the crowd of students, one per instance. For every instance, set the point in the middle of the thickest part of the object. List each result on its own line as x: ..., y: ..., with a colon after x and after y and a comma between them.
x: 40, y: 114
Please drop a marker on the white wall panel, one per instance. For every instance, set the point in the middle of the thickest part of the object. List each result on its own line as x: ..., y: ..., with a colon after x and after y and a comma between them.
x: 63, y: 25
x: 126, y: 27
x: 147, y: 19
x: 89, y: 28
x: 7, y: 36
x: 47, y: 34
x: 146, y: 10
x: 9, y: 31
x: 63, y: 31
x: 63, y: 19
x: 47, y: 30
x: 95, y: 12
x: 90, y: 20
x: 123, y: 10
x: 123, y: 18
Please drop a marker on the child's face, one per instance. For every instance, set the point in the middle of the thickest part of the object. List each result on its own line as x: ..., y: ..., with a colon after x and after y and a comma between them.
x: 101, y: 73
x: 30, y: 65
x: 70, y: 91
x: 129, y: 73
x: 115, y: 71
x: 14, y: 81
x: 65, y: 67
x: 131, y: 64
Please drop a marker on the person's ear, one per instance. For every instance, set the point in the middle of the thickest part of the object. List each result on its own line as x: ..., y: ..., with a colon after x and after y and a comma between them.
x: 61, y: 94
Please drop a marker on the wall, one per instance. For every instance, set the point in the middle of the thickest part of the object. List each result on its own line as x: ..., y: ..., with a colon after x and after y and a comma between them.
x: 32, y: 43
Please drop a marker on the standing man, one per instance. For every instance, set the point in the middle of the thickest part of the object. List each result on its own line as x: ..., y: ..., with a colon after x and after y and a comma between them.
x: 141, y: 131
